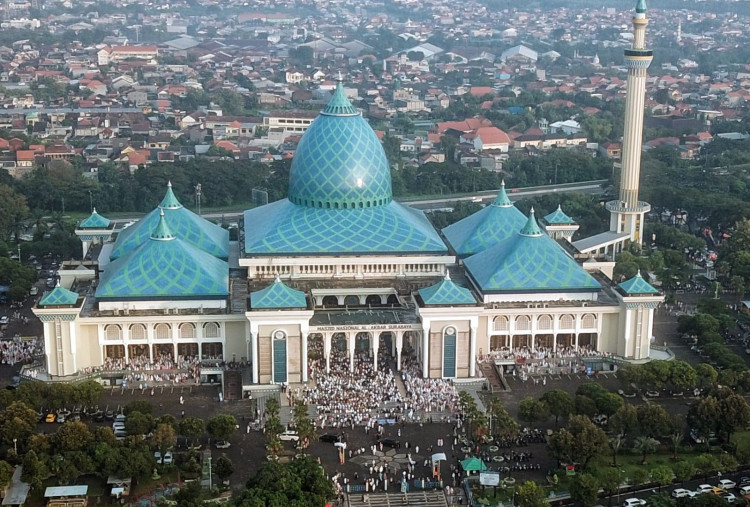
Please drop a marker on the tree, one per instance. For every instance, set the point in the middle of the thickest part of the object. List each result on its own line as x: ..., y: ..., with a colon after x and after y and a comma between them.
x: 531, y: 410
x: 72, y: 436
x: 13, y: 210
x: 615, y: 443
x: 224, y: 467
x: 89, y: 392
x: 661, y: 475
x: 164, y: 438
x: 303, y: 424
x: 734, y: 413
x: 34, y: 470
x: 192, y: 427
x: 138, y: 423
x: 530, y: 494
x: 585, y: 490
x: 654, y: 421
x: 683, y: 471
x: 609, y: 480
x: 301, y: 483
x: 142, y: 406
x: 706, y: 464
x: 645, y: 445
x: 17, y: 421
x: 222, y: 427
x: 589, y: 441
x: 559, y: 403
x: 6, y: 473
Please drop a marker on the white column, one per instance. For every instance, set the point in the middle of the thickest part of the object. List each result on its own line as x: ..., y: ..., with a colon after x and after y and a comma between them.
x: 352, y: 337
x: 73, y: 346
x: 375, y: 347
x: 399, y: 345
x: 473, y: 351
x: 393, y: 344
x: 425, y: 348
x: 327, y: 350
x: 254, y: 346
x: 303, y: 366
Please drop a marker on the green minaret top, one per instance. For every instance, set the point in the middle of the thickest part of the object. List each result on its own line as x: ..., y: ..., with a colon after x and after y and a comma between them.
x: 170, y: 200
x: 339, y: 104
x: 162, y: 232
x: 531, y: 228
x: 640, y: 7
x: 502, y: 200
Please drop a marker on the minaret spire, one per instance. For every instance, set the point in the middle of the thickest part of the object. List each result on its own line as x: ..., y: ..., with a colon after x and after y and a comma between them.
x: 627, y: 213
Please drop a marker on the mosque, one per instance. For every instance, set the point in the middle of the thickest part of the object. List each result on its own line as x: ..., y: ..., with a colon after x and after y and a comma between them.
x: 339, y: 267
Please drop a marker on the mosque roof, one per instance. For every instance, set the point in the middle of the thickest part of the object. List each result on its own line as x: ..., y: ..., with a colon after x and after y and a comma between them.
x: 558, y: 217
x: 485, y: 228
x: 339, y: 162
x: 282, y: 227
x: 277, y: 295
x: 340, y: 199
x: 59, y: 296
x: 164, y: 266
x: 637, y: 286
x: 94, y: 221
x: 640, y: 6
x: 446, y: 292
x: 530, y: 261
x: 185, y: 224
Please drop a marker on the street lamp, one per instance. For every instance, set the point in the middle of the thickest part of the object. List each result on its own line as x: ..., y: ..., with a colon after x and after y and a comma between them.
x: 91, y: 201
x: 198, y: 196
x: 15, y: 446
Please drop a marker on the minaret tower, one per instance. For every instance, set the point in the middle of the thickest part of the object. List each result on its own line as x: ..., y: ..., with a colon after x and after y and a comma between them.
x: 679, y: 31
x: 628, y: 212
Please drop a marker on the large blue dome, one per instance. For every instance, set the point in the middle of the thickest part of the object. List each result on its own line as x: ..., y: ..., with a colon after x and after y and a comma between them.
x: 340, y: 163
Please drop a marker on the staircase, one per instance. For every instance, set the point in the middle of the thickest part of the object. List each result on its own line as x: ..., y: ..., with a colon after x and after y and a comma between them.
x: 232, y: 385
x: 493, y: 378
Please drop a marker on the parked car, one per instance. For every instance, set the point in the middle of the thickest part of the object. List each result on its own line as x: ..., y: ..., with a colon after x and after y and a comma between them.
x: 222, y: 444
x: 745, y: 490
x: 158, y: 457
x: 50, y: 418
x: 726, y: 484
x: 3, y: 320
x: 728, y: 497
x: 704, y: 488
x: 652, y: 393
x: 682, y: 493
x: 289, y: 436
x: 330, y: 437
x: 168, y: 459
x: 744, y: 481
x: 633, y: 502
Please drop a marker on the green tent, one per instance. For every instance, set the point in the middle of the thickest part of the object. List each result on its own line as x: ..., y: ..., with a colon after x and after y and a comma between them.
x: 473, y: 464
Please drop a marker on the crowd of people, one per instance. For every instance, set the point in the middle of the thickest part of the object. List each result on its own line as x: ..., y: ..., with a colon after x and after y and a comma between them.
x: 563, y: 360
x: 142, y: 369
x: 20, y: 351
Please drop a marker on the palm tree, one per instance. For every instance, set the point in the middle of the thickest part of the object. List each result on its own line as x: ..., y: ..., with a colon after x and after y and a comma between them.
x: 615, y: 443
x: 645, y: 445
x: 675, y: 439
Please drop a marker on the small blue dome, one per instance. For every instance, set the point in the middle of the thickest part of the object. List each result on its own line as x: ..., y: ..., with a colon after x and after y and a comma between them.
x: 340, y: 163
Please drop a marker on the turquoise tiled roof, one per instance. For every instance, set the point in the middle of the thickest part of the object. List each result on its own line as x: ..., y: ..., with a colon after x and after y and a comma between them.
x: 640, y: 6
x: 529, y: 262
x: 59, y: 296
x: 94, y: 221
x: 531, y: 228
x: 445, y: 292
x: 277, y: 295
x: 164, y: 267
x: 339, y: 162
x: 185, y: 224
x: 637, y: 285
x: 485, y: 228
x: 558, y: 217
x: 282, y: 227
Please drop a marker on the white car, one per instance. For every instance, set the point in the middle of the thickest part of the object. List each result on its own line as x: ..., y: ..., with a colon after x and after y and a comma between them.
x: 726, y: 484
x: 682, y: 493
x: 633, y: 502
x: 168, y: 459
x: 158, y: 458
x: 289, y: 436
x: 4, y: 319
x: 728, y: 497
x: 222, y: 444
x: 704, y: 488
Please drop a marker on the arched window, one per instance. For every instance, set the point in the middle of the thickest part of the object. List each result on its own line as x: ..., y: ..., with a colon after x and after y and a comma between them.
x: 137, y: 332
x: 500, y: 323
x: 187, y: 330
x: 351, y: 301
x: 211, y: 330
x: 523, y: 323
x: 567, y: 322
x: 112, y: 332
x: 544, y: 322
x: 162, y: 332
x: 588, y: 321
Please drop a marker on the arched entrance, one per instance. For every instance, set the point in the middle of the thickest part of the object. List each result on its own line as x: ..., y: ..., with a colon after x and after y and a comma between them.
x: 386, y: 345
x: 315, y: 350
x: 565, y: 340
x: 521, y: 341
x: 543, y: 341
x: 330, y: 302
x: 163, y: 352
x: 498, y: 342
x: 138, y: 353
x: 114, y: 351
x: 373, y: 300
x: 362, y: 344
x: 187, y: 350
x: 212, y: 351
x: 587, y: 340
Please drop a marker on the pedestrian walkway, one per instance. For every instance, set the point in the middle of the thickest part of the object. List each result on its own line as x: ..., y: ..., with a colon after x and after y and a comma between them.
x: 433, y: 498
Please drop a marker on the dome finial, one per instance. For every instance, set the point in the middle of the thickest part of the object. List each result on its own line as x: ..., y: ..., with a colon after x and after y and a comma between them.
x: 640, y: 7
x: 170, y: 200
x: 447, y: 276
x: 502, y: 199
x: 93, y: 210
x: 169, y: 183
x: 339, y: 104
x: 277, y: 279
x: 531, y: 228
x: 162, y: 232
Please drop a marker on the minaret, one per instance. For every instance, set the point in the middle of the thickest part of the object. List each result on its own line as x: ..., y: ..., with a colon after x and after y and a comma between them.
x: 628, y: 212
x: 679, y: 31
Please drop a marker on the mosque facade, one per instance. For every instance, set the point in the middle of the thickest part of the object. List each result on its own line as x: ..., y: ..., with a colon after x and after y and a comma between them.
x: 338, y: 267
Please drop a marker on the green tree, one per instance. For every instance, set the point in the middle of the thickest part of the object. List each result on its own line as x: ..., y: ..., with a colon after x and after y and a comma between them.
x: 72, y: 436
x: 138, y: 423
x: 645, y: 445
x: 17, y: 421
x: 303, y: 424
x: 34, y: 470
x: 559, y: 402
x: 164, y: 438
x: 609, y: 480
x: 193, y: 428
x: 531, y: 410
x: 661, y: 475
x: 142, y: 406
x: 13, y: 210
x: 531, y: 494
x: 683, y: 471
x: 6, y: 473
x: 224, y: 467
x: 585, y: 490
x: 222, y: 427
